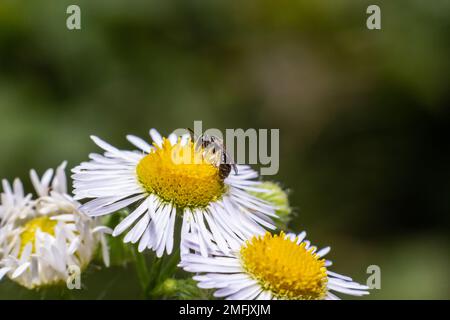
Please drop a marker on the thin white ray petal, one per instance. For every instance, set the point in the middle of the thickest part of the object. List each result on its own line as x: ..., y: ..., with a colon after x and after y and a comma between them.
x: 156, y: 137
x: 140, y: 143
x: 20, y: 270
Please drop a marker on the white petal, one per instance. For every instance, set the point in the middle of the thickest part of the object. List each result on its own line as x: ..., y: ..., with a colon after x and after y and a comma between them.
x: 60, y: 181
x: 105, y: 251
x: 102, y: 229
x: 169, y: 242
x: 347, y: 291
x: 4, y: 271
x: 20, y: 270
x: 113, y: 207
x: 140, y: 143
x: 144, y: 240
x: 324, y: 251
x: 130, y: 219
x: 173, y: 139
x: 156, y: 137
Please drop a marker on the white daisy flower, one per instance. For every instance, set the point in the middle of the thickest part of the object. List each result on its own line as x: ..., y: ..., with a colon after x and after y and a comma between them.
x: 42, y: 239
x: 269, y: 267
x: 157, y: 178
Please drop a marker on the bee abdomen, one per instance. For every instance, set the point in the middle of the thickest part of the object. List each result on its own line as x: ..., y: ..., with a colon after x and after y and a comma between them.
x: 224, y: 171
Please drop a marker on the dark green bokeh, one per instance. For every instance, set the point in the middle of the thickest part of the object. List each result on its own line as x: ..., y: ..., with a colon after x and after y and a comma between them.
x: 363, y: 115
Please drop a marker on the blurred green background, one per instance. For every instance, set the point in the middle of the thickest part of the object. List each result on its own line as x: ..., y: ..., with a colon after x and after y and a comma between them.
x: 363, y: 115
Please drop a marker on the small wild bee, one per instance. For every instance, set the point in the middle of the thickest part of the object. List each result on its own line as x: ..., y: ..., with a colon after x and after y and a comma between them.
x: 215, y: 149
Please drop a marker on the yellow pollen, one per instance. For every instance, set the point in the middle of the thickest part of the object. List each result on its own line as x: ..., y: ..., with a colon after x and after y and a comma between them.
x: 180, y: 175
x: 284, y: 268
x: 29, y: 231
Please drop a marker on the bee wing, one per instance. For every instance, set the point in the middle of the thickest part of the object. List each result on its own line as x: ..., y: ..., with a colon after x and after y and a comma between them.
x: 235, y: 169
x: 227, y: 159
x: 198, y: 141
x: 191, y: 133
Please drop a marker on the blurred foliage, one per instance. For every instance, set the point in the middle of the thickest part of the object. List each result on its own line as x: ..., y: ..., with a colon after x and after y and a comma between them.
x: 120, y: 254
x: 182, y: 289
x: 363, y: 115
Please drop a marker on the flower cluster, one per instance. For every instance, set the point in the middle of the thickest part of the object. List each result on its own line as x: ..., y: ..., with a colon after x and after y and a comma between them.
x: 42, y: 238
x: 179, y: 196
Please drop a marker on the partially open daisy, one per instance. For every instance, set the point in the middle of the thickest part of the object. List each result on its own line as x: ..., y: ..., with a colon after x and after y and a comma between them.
x: 42, y: 239
x: 269, y: 267
x: 158, y: 179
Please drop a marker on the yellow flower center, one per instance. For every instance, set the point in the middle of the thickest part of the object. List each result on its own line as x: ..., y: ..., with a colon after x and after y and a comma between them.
x: 29, y: 231
x: 180, y: 175
x: 284, y: 268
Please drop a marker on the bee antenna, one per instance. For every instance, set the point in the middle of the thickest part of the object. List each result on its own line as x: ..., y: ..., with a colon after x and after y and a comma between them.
x: 191, y: 132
